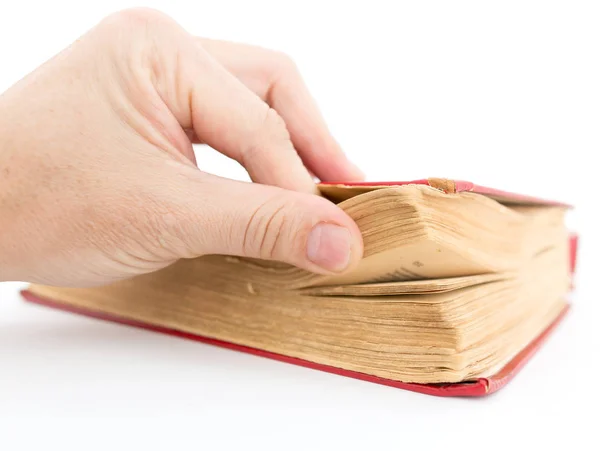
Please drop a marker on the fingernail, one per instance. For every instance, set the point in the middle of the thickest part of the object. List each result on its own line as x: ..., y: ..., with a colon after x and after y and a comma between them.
x: 329, y: 246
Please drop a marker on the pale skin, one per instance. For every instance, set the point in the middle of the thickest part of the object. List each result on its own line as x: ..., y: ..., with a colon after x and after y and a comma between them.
x: 98, y: 179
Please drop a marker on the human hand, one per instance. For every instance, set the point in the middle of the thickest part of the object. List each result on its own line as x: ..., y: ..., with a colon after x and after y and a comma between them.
x: 98, y: 179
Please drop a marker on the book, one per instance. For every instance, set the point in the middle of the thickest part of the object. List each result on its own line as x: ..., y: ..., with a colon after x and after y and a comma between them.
x: 458, y: 287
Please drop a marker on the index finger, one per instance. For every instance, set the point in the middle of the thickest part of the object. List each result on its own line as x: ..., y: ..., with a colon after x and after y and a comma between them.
x: 275, y: 79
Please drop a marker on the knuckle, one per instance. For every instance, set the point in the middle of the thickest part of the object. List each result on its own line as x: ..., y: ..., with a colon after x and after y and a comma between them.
x: 270, y: 230
x: 250, y: 154
x: 271, y: 129
x: 275, y: 128
x: 283, y: 70
x: 125, y: 30
x: 285, y: 65
x: 134, y: 18
x: 273, y: 122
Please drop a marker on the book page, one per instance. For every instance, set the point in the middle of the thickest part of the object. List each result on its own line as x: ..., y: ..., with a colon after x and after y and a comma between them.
x: 422, y: 260
x: 425, y: 286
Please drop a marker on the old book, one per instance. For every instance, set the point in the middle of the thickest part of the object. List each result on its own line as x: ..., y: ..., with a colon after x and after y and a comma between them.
x: 459, y: 285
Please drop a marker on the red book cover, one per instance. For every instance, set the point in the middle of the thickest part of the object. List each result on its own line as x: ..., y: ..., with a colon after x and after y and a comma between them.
x: 474, y: 388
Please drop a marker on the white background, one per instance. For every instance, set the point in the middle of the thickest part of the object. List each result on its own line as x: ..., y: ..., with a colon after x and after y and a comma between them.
x: 505, y: 94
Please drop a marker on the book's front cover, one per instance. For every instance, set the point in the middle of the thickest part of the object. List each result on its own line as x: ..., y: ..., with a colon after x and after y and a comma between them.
x: 478, y: 387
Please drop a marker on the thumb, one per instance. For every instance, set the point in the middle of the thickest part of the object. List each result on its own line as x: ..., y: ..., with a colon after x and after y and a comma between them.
x: 221, y: 216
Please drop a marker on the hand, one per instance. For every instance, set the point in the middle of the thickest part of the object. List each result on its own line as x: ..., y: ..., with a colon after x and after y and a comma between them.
x: 98, y: 179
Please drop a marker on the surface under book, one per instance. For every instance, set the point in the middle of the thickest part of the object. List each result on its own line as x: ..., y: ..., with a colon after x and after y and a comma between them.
x: 458, y: 287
